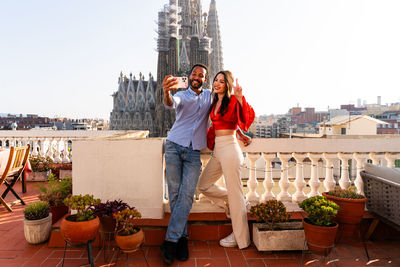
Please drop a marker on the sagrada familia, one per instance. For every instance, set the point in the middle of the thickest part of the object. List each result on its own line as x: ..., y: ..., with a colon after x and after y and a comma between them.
x: 186, y: 36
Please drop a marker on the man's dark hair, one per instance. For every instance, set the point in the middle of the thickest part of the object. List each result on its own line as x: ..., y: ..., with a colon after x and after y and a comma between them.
x: 201, y: 66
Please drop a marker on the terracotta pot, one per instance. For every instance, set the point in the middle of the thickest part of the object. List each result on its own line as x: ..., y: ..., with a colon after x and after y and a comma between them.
x: 58, y: 212
x: 107, y: 224
x: 320, y: 239
x: 77, y: 233
x: 350, y: 214
x: 130, y: 242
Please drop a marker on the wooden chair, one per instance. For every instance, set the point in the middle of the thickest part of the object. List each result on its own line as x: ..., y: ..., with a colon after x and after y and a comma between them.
x: 13, y: 171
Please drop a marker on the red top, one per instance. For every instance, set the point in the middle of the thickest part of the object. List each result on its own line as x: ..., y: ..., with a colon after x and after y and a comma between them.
x: 235, y: 115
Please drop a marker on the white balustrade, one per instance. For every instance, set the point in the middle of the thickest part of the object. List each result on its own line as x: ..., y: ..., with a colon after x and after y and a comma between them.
x: 53, y: 144
x: 284, y: 184
x: 252, y: 195
x: 299, y: 182
x: 344, y: 181
x: 268, y: 181
x: 314, y: 182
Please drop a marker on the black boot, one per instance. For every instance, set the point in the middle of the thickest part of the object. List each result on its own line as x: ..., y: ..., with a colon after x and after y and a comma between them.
x: 168, y: 249
x: 182, y: 252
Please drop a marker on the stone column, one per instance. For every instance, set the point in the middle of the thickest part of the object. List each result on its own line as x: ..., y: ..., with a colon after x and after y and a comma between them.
x: 344, y: 175
x: 360, y: 158
x: 252, y: 195
x: 268, y: 180
x: 299, y: 182
x: 329, y: 182
x: 314, y: 181
x: 284, y: 184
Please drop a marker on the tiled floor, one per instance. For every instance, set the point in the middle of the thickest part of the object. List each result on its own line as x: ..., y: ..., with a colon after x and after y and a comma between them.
x: 15, y: 251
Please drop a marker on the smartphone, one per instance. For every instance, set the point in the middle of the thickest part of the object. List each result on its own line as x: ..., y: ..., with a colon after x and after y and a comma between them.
x: 182, y: 82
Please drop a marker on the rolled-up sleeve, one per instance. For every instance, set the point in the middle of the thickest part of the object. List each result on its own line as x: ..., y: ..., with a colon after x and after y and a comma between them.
x: 176, y: 100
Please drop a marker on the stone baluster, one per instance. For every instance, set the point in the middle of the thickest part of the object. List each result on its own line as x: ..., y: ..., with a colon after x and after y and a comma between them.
x: 376, y: 158
x: 390, y: 158
x: 34, y: 147
x: 284, y: 184
x: 314, y: 180
x: 57, y: 152
x: 3, y: 143
x: 344, y: 181
x: 42, y: 153
x: 329, y: 182
x: 299, y: 182
x: 252, y: 195
x: 11, y: 142
x: 66, y: 158
x: 361, y: 159
x: 268, y: 182
x: 50, y: 152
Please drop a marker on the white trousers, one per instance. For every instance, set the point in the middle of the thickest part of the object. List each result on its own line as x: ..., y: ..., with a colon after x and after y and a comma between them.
x: 227, y: 160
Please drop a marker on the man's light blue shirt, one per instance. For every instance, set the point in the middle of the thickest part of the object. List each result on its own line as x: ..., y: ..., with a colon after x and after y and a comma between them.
x: 191, y: 118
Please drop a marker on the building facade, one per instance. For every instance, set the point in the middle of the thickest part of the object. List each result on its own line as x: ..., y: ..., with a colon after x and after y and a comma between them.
x: 186, y: 36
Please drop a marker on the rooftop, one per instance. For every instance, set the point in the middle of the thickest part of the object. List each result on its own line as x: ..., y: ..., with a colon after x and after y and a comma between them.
x: 15, y: 251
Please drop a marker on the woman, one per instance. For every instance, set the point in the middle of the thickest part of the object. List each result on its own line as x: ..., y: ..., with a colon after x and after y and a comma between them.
x: 227, y: 113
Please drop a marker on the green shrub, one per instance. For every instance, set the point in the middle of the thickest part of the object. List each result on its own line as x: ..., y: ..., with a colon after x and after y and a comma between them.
x: 37, y: 210
x: 83, y: 205
x: 124, y: 218
x: 55, y: 191
x: 345, y: 193
x: 320, y: 211
x: 270, y: 212
x: 40, y: 164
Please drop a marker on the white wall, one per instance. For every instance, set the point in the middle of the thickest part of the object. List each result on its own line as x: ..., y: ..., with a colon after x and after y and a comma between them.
x: 131, y: 170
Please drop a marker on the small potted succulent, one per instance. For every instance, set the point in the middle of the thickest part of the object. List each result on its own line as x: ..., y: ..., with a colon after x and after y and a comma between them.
x: 352, y: 207
x: 276, y: 232
x: 82, y: 226
x: 105, y: 213
x: 128, y: 236
x: 54, y: 192
x: 319, y: 227
x: 37, y: 222
x: 41, y: 168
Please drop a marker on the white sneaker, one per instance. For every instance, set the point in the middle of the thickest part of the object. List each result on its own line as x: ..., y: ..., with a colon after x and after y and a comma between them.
x: 229, y: 241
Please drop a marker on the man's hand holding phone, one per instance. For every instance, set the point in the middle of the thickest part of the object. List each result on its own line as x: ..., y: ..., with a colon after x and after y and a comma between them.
x: 173, y: 83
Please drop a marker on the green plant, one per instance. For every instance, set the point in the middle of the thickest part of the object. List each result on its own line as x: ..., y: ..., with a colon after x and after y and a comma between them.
x: 40, y: 164
x: 55, y: 191
x: 345, y: 193
x: 37, y: 210
x: 83, y: 206
x: 270, y: 212
x: 124, y: 218
x: 109, y: 208
x: 320, y: 211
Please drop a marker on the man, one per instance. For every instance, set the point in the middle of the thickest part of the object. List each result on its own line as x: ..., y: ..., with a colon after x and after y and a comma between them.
x: 182, y: 155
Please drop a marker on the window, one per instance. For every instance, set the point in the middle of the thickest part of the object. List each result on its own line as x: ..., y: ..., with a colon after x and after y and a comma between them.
x: 343, y: 131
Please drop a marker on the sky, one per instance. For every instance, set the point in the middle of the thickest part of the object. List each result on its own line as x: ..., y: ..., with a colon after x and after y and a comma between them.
x: 63, y: 58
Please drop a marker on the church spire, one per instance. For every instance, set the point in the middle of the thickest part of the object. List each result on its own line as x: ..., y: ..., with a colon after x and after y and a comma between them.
x: 216, y: 59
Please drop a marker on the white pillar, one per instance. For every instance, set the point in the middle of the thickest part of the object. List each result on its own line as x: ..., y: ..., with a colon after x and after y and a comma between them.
x: 360, y: 158
x: 390, y: 158
x: 314, y: 181
x: 299, y: 182
x: 252, y: 195
x: 344, y: 176
x: 50, y: 149
x: 329, y: 182
x: 42, y: 153
x: 268, y: 180
x: 57, y: 153
x: 376, y: 158
x: 284, y: 184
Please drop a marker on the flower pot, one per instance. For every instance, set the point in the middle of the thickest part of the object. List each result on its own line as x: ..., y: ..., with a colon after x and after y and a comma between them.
x: 76, y: 233
x: 320, y: 239
x: 350, y: 214
x: 37, y: 231
x: 285, y: 236
x: 129, y: 242
x: 58, y: 212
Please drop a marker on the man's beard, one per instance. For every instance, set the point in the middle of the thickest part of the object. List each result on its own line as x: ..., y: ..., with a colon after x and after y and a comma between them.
x: 200, y: 84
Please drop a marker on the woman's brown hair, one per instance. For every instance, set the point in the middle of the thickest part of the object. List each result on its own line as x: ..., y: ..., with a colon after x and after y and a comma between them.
x: 228, y: 77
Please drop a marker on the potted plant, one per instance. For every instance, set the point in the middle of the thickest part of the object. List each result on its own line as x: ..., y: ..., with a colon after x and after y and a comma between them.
x: 37, y: 222
x: 105, y: 213
x: 54, y: 192
x: 319, y: 227
x: 41, y: 168
x: 82, y: 226
x: 352, y: 207
x: 128, y: 236
x: 276, y: 232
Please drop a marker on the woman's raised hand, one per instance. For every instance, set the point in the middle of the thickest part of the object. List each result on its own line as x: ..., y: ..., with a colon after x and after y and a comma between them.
x: 237, y: 91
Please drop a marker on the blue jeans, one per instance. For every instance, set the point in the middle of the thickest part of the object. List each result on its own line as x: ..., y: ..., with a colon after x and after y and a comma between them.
x: 183, y: 169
